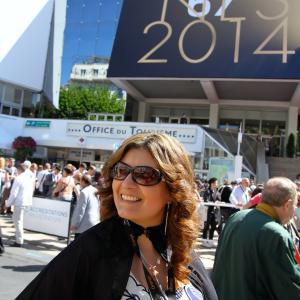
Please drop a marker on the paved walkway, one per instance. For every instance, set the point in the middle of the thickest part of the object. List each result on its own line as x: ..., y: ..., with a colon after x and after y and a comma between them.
x: 44, y: 247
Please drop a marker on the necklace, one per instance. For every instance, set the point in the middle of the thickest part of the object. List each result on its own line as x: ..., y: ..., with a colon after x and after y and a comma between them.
x: 153, y: 271
x: 159, y: 241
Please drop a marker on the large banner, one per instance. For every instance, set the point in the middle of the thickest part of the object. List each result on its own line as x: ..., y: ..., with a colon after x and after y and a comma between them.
x: 256, y: 39
x: 48, y: 216
x: 221, y: 168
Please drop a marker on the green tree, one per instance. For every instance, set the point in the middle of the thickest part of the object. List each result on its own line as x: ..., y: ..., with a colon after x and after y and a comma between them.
x: 291, y: 147
x: 298, y: 141
x: 76, y: 102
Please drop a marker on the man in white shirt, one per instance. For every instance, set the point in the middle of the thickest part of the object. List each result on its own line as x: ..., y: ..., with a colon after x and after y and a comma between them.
x: 240, y: 194
x: 20, y: 197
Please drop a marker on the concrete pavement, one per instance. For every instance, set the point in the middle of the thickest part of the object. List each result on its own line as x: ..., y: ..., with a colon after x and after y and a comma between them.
x: 41, y: 247
x: 18, y: 266
x: 44, y: 247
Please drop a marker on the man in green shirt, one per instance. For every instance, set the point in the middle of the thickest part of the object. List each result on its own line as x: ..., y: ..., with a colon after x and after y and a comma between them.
x: 255, y: 258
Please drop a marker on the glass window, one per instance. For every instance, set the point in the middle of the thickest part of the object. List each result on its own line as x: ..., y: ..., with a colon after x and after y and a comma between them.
x: 82, y: 72
x: 90, y: 30
x: 119, y: 118
x: 91, y: 11
x: 199, y: 121
x: 174, y: 120
x: 1, y: 91
x: 105, y: 37
x: 6, y: 110
x: 252, y: 126
x: 87, y: 44
x: 109, y: 10
x: 15, y: 112
x: 163, y: 119
x: 272, y: 127
x: 197, y: 161
x: 27, y: 100
x: 74, y: 11
x: 95, y: 72
x: 230, y: 124
x: 211, y: 150
x: 12, y: 94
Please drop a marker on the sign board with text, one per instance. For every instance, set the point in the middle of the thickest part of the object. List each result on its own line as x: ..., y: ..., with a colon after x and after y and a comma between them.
x: 257, y: 39
x: 48, y: 216
x: 37, y: 123
x: 184, y: 134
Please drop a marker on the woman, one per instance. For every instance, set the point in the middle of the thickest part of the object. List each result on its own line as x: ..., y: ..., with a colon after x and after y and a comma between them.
x: 65, y: 186
x: 211, y: 195
x: 2, y: 181
x: 256, y: 197
x: 143, y: 248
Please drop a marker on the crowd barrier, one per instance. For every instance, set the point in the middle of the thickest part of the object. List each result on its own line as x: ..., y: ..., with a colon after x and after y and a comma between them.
x: 49, y: 216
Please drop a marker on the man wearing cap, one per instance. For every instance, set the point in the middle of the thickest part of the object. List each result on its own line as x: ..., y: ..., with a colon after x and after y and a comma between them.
x: 20, y: 197
x: 255, y: 258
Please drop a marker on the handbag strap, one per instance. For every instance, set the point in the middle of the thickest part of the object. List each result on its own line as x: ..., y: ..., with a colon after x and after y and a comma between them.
x: 65, y: 186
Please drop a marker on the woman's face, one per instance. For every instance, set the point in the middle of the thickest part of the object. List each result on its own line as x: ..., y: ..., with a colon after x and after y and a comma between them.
x: 144, y: 205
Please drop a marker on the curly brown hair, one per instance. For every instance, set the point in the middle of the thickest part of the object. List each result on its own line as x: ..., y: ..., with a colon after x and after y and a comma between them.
x: 172, y: 160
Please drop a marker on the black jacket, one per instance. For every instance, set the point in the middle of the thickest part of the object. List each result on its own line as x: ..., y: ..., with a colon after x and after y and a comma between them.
x: 97, y: 266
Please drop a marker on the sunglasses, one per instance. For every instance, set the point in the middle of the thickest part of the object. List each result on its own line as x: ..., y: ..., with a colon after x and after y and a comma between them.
x: 142, y: 175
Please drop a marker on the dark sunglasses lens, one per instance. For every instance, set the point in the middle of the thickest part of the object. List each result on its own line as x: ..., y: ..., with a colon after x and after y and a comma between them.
x: 120, y: 171
x: 146, y: 175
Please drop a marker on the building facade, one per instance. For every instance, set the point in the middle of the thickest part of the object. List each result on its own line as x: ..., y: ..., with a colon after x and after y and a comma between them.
x: 30, y: 55
x: 225, y: 64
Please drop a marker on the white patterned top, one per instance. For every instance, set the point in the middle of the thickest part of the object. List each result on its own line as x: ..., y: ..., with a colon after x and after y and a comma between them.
x: 135, y: 291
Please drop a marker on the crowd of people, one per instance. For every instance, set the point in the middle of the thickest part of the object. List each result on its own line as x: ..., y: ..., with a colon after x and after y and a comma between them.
x: 19, y: 184
x: 143, y: 248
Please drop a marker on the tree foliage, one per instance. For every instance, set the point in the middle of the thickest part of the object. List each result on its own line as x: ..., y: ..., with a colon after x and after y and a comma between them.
x: 77, y: 102
x: 291, y: 147
x: 298, y: 141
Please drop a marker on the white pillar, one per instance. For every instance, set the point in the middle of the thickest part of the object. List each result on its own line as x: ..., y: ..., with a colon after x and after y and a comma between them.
x: 142, y: 112
x: 238, y: 166
x: 213, y: 115
x: 292, y: 124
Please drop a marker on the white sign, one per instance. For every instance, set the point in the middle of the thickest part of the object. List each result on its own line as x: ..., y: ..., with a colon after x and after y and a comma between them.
x: 116, y: 131
x: 48, y: 216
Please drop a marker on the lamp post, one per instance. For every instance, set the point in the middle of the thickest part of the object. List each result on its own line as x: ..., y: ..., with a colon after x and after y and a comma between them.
x: 81, y: 141
x: 238, y: 159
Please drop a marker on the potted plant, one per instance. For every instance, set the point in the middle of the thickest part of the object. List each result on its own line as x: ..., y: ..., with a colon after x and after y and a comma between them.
x: 291, y: 146
x: 24, y: 147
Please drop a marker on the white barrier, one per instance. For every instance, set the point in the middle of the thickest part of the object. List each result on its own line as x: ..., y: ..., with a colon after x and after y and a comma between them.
x: 48, y: 216
x: 220, y: 204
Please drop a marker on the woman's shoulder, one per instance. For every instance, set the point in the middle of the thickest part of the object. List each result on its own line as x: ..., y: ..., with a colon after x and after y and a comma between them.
x: 200, y: 279
x: 106, y: 238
